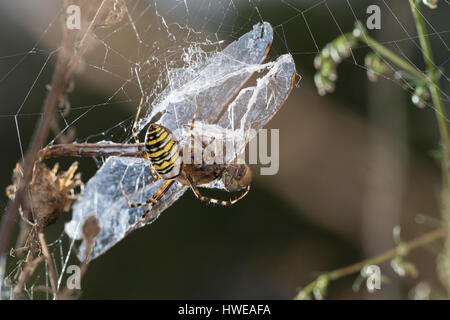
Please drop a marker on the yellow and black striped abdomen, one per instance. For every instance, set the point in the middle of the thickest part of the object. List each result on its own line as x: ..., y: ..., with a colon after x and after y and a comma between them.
x: 162, y: 149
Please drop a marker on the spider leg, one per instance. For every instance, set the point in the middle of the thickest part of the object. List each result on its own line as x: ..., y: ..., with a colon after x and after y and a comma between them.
x: 191, y: 128
x: 140, y: 204
x: 246, y: 141
x: 225, y: 203
x: 237, y: 155
x: 154, y: 200
x: 136, y: 137
x: 193, y: 119
x: 135, y: 134
x: 190, y: 142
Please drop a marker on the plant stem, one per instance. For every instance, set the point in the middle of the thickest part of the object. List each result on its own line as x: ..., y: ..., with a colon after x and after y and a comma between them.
x: 51, y: 267
x: 65, y: 67
x: 434, y: 89
x: 441, y: 117
x: 402, y: 249
x: 431, y: 78
x: 396, y: 59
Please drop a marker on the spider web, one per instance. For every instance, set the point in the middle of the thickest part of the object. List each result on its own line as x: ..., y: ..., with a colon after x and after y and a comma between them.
x: 159, y: 46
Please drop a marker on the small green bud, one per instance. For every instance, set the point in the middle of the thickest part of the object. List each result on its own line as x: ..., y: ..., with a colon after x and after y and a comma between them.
x: 430, y: 3
x: 375, y: 66
x: 420, y: 96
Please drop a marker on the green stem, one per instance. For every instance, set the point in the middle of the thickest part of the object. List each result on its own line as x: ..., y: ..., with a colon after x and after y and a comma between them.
x: 434, y: 88
x: 402, y: 249
x: 432, y: 81
x: 391, y: 56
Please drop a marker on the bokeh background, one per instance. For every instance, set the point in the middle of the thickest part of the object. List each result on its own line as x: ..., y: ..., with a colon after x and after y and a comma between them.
x: 353, y: 164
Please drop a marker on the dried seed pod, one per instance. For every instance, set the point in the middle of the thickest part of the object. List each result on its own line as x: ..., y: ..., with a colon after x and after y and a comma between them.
x: 116, y: 14
x: 49, y: 193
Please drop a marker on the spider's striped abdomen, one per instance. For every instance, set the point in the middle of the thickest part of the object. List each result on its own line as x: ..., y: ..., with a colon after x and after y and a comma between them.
x: 162, y: 149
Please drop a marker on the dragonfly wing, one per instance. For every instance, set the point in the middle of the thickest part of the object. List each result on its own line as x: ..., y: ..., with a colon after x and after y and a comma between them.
x: 213, y: 87
x: 103, y: 198
x: 218, y: 90
x: 255, y: 106
x: 216, y: 83
x: 252, y: 108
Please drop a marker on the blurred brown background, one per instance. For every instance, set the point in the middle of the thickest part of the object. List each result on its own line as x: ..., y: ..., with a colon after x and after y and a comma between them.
x: 353, y: 164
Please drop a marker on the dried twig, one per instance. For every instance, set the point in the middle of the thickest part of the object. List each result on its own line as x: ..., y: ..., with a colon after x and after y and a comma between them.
x: 74, y: 45
x: 90, y: 232
x: 51, y: 267
x: 29, y: 266
x: 68, y: 60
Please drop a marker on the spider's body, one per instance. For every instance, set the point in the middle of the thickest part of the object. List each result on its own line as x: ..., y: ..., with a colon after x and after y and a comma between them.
x: 163, y: 151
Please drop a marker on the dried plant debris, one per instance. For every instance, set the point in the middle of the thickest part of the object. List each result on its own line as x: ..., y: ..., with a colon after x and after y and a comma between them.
x: 111, y: 14
x: 49, y: 194
x: 64, y: 107
x: 91, y: 228
x: 443, y: 266
x: 116, y: 13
